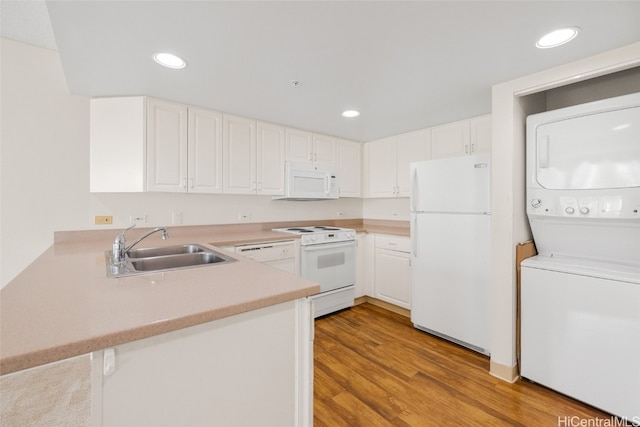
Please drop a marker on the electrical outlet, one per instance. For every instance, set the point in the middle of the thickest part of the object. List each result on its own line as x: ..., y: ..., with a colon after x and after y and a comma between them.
x: 138, y: 219
x: 244, y: 216
x: 176, y: 217
x: 104, y: 219
x: 339, y: 214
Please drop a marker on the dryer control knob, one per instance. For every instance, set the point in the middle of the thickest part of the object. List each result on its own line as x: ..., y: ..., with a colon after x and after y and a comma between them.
x: 569, y: 210
x: 536, y: 203
x: 584, y: 210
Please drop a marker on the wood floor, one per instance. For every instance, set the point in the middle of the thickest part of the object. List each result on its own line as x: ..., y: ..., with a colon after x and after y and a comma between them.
x: 372, y: 368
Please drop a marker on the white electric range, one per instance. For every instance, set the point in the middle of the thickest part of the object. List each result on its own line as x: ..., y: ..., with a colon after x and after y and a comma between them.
x: 327, y: 256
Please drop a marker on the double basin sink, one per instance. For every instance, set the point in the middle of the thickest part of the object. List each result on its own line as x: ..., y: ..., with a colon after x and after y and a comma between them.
x: 150, y: 260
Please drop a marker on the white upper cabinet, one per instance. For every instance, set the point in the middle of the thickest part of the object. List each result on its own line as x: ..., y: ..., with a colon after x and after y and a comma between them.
x: 349, y: 168
x: 240, y: 155
x: 481, y: 134
x: 205, y: 151
x: 324, y: 150
x: 382, y: 167
x: 303, y: 146
x: 146, y: 144
x: 389, y: 160
x: 461, y: 138
x: 166, y: 146
x: 253, y: 157
x: 411, y: 147
x: 270, y: 161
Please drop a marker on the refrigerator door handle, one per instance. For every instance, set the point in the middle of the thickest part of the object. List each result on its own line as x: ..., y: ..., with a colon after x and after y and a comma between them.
x: 414, y: 233
x: 414, y: 190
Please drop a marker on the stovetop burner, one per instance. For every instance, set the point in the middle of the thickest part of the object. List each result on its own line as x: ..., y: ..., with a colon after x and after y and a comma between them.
x: 313, y: 235
x: 300, y: 230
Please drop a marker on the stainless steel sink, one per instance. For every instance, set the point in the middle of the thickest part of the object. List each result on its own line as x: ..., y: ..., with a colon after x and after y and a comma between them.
x: 151, y: 260
x: 175, y: 261
x: 166, y: 250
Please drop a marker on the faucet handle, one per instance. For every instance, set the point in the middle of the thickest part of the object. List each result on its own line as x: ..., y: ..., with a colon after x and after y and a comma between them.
x: 119, y: 245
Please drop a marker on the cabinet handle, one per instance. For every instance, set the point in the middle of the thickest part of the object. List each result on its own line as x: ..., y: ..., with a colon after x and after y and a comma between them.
x: 184, y: 183
x: 191, y: 182
x: 466, y: 148
x: 473, y: 148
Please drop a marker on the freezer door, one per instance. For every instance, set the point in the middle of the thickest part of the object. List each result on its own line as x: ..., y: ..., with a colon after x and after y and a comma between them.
x: 457, y: 184
x: 450, y: 276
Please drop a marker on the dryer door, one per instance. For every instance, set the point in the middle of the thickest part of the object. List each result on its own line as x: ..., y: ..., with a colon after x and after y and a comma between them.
x: 595, y: 151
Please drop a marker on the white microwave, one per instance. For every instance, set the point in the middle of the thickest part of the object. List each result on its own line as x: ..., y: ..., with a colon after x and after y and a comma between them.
x: 304, y: 181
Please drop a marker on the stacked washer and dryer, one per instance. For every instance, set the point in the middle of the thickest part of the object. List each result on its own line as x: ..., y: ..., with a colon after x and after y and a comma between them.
x: 580, y: 296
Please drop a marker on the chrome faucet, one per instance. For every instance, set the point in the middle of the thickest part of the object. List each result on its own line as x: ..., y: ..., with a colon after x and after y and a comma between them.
x: 120, y: 247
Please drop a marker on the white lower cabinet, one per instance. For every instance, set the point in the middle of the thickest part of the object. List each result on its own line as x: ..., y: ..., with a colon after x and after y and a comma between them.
x: 252, y: 369
x: 392, y: 278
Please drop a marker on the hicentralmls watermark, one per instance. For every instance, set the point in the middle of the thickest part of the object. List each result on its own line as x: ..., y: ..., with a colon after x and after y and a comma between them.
x: 576, y: 421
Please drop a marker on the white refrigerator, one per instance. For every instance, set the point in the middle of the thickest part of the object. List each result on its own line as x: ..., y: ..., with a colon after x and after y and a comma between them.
x: 451, y: 245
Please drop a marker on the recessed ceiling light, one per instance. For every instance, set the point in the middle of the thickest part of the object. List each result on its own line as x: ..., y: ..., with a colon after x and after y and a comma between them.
x: 169, y: 60
x: 557, y: 37
x: 350, y: 114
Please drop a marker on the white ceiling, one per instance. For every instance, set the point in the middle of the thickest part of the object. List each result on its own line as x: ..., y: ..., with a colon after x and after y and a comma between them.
x: 404, y: 65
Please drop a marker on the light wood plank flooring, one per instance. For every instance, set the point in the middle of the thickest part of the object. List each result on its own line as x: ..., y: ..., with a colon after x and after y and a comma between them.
x: 372, y: 368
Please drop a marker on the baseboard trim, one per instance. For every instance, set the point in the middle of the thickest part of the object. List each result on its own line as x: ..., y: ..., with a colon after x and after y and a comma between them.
x: 383, y: 304
x: 504, y: 372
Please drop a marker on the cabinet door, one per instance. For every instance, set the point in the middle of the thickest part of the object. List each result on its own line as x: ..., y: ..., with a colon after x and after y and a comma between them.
x: 349, y: 168
x: 166, y: 146
x: 411, y: 147
x: 481, y: 134
x: 205, y: 151
x: 450, y: 140
x: 239, y: 151
x: 324, y: 150
x: 393, y: 277
x: 270, y: 161
x: 299, y: 145
x: 382, y: 168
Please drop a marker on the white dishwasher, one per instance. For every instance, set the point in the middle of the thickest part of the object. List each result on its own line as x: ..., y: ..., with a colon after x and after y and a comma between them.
x: 280, y: 255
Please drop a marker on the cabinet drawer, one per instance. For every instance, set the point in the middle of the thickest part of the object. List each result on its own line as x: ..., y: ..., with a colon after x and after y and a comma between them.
x: 394, y: 243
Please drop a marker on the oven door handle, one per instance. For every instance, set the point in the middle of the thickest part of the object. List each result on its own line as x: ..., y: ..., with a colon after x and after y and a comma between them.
x: 322, y: 246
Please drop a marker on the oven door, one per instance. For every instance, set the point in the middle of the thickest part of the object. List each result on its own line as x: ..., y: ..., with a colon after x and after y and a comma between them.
x: 332, y: 265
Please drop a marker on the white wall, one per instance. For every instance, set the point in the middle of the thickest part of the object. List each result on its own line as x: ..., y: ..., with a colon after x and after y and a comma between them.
x: 45, y: 155
x: 44, y: 159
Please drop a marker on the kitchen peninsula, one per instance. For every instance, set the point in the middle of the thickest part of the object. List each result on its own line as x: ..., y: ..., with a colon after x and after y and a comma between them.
x: 169, y: 348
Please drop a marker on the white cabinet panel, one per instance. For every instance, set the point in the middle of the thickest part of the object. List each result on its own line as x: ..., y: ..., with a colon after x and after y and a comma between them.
x: 461, y: 138
x: 450, y: 140
x: 349, y: 167
x: 146, y: 144
x: 411, y: 147
x: 303, y: 146
x: 166, y: 146
x: 382, y: 168
x: 205, y: 151
x: 117, y: 140
x: 389, y: 161
x: 324, y: 150
x: 270, y: 160
x: 208, y: 375
x: 299, y: 145
x: 239, y: 148
x: 392, y: 280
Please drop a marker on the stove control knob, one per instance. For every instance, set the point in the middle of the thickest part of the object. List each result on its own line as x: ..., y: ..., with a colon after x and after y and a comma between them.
x: 584, y: 210
x: 535, y: 203
x: 351, y: 235
x: 570, y: 210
